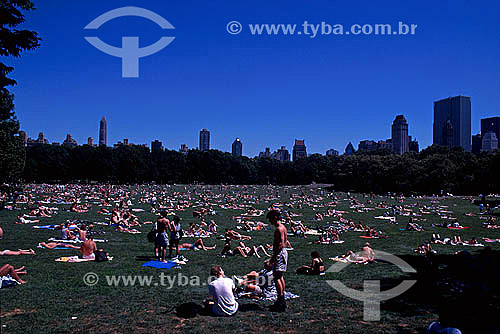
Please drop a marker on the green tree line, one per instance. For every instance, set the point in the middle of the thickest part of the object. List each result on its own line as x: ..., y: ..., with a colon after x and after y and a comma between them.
x: 433, y: 170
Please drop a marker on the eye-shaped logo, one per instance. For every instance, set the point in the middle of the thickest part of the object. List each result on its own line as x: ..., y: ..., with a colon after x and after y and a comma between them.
x: 130, y: 51
x: 371, y: 296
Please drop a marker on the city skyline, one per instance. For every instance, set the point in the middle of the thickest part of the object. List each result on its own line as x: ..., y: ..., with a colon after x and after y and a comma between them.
x: 400, y: 142
x: 318, y: 89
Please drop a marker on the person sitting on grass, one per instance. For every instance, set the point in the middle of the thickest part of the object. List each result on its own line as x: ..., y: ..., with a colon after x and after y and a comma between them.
x: 367, y: 253
x: 197, y: 245
x: 18, y: 252
x: 316, y: 268
x: 8, y: 269
x: 66, y: 233
x: 87, y: 249
x: 221, y: 290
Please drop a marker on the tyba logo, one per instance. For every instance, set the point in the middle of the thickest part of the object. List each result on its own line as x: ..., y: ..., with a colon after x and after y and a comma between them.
x: 130, y: 51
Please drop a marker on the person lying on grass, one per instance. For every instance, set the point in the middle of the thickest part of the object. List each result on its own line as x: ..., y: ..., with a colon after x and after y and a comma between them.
x: 298, y: 228
x: 18, y: 252
x: 365, y: 256
x: 197, y: 245
x: 255, y: 282
x: 52, y: 245
x: 317, y: 266
x: 22, y: 220
x: 8, y: 269
x: 235, y: 235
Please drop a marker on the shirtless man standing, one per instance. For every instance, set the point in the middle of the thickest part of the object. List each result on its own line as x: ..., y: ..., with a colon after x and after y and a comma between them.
x: 279, y: 259
x: 88, y: 248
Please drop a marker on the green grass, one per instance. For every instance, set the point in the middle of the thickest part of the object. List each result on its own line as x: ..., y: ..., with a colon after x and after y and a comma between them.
x: 56, y: 292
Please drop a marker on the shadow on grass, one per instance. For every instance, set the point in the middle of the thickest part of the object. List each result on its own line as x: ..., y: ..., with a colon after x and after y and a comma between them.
x: 190, y: 310
x: 463, y: 289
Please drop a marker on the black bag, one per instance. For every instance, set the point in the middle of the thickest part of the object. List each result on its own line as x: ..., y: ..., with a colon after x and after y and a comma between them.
x: 100, y: 256
x: 181, y: 233
x: 152, y: 236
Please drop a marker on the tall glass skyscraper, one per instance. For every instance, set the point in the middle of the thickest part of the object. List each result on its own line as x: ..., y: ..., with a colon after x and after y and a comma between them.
x: 400, y: 135
x: 491, y: 124
x: 452, y: 126
x: 299, y: 150
x: 237, y: 148
x: 103, y: 132
x: 204, y: 140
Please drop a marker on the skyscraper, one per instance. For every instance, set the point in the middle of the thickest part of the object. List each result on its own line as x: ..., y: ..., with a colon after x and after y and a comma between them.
x: 452, y: 127
x: 90, y: 141
x: 489, y: 142
x: 476, y: 143
x: 204, y: 140
x: 491, y: 124
x: 69, y: 141
x: 281, y: 154
x: 103, y: 132
x: 24, y: 137
x: 400, y: 135
x: 413, y: 145
x: 156, y: 146
x: 299, y: 150
x: 237, y: 148
x: 184, y: 149
x: 266, y: 153
x: 349, y: 149
x: 332, y: 152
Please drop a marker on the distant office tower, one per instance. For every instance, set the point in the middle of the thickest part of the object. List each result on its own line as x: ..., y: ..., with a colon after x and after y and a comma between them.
x: 90, y: 141
x: 491, y: 124
x: 332, y: 153
x: 299, y: 150
x: 400, y: 135
x: 349, y: 149
x: 452, y: 122
x: 40, y: 140
x: 24, y: 137
x: 237, y: 148
x: 281, y: 154
x: 183, y: 149
x: 125, y: 141
x: 413, y: 145
x: 69, y: 141
x: 476, y: 143
x: 103, y: 132
x: 156, y: 146
x: 489, y: 142
x: 367, y: 145
x: 204, y: 140
x: 266, y: 153
x: 385, y: 144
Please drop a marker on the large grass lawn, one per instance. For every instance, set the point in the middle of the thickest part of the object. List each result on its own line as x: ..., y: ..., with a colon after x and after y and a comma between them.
x: 56, y: 300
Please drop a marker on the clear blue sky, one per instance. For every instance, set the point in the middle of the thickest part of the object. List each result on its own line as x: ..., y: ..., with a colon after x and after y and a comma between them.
x: 267, y: 90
